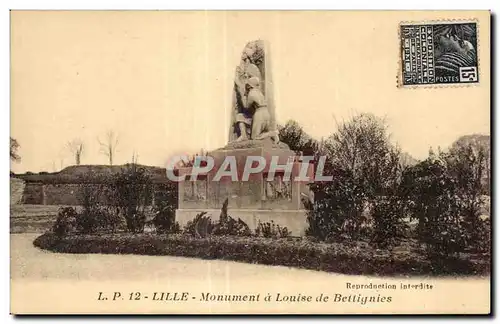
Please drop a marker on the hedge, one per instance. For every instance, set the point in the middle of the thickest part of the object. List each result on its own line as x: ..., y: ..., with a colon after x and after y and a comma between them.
x: 301, y: 253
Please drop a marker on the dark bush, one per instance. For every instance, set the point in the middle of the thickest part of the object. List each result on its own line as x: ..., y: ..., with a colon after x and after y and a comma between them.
x: 86, y: 222
x: 484, y: 231
x: 364, y: 165
x: 107, y: 220
x: 230, y: 226
x: 446, y: 195
x: 467, y: 165
x: 296, y: 138
x: 335, y: 257
x: 362, y: 201
x: 164, y: 209
x: 131, y: 192
x: 389, y: 228
x: 91, y: 190
x: 164, y: 220
x: 271, y: 230
x: 200, y: 226
x: 431, y: 191
x: 337, y: 210
x: 65, y: 222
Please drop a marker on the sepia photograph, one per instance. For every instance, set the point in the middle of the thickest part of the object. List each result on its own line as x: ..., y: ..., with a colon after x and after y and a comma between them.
x: 250, y: 162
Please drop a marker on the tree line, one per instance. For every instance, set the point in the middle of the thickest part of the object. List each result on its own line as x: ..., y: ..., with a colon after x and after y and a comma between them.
x: 383, y: 195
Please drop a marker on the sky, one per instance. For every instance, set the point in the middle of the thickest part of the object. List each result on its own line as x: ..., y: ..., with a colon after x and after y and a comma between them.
x: 162, y: 81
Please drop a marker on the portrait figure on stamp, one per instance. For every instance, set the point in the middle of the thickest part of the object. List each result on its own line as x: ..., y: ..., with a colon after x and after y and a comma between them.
x: 455, y: 47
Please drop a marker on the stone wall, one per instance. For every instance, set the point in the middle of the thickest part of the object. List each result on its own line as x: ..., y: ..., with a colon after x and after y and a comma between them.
x: 61, y: 194
x: 33, y: 193
x: 37, y: 193
x: 16, y: 191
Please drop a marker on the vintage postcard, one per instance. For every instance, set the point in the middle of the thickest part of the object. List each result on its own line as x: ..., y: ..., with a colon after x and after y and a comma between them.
x: 250, y: 162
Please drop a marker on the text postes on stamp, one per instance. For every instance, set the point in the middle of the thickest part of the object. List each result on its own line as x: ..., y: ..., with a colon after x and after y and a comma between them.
x: 439, y: 53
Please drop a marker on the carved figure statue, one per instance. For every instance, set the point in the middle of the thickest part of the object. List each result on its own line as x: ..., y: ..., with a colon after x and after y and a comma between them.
x: 252, y: 118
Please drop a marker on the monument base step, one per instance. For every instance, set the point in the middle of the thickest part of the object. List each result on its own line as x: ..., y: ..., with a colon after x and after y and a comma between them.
x: 294, y: 220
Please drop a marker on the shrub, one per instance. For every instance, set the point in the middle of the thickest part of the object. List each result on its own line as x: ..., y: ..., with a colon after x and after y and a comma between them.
x: 433, y: 195
x: 203, y: 226
x: 484, y: 231
x: 164, y: 219
x: 65, y: 222
x: 364, y: 165
x: 388, y: 225
x: 335, y: 257
x: 296, y: 138
x: 230, y: 226
x: 467, y: 165
x: 200, y: 226
x: 480, y: 147
x: 108, y: 220
x: 164, y: 209
x: 176, y: 228
x: 131, y: 192
x: 271, y: 230
x: 86, y: 222
x: 337, y: 209
x: 91, y: 190
x: 445, y: 194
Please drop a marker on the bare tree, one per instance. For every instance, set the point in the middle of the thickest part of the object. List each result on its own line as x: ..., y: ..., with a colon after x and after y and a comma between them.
x: 480, y: 147
x: 14, y: 146
x: 76, y: 148
x: 109, y: 145
x: 135, y: 157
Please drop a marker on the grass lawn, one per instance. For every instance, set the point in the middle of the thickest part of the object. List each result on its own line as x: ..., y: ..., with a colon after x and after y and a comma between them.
x: 32, y: 218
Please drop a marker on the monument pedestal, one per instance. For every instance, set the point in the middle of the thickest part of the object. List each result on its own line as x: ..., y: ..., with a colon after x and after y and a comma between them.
x: 262, y: 198
x: 265, y: 196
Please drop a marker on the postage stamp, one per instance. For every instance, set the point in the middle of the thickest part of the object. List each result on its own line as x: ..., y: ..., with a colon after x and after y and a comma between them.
x: 438, y: 53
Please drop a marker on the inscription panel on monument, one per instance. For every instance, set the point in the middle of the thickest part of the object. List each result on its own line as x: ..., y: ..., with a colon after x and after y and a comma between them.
x: 251, y: 194
x: 277, y: 188
x: 195, y: 190
x: 213, y: 194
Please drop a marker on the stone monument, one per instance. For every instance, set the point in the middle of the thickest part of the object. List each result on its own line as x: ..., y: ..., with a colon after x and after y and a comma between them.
x: 272, y: 194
